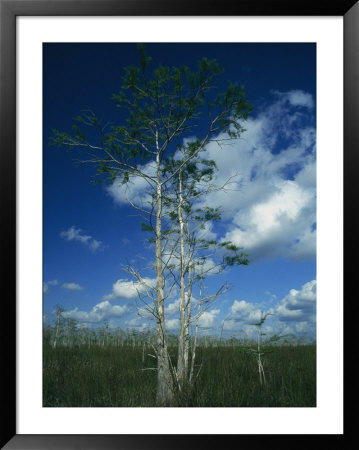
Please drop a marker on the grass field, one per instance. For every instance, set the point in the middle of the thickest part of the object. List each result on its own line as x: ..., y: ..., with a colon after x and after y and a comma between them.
x: 113, y: 376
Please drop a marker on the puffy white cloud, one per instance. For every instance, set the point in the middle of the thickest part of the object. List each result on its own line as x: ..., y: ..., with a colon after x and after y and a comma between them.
x: 207, y: 232
x: 139, y: 324
x: 172, y: 308
x: 130, y: 289
x: 46, y: 285
x: 299, y: 306
x: 280, y: 224
x: 135, y: 191
x: 76, y: 234
x: 101, y: 311
x: 72, y: 286
x: 207, y: 319
x: 241, y: 318
x: 270, y: 207
x: 295, y: 313
x: 246, y: 311
x: 300, y: 98
x: 172, y: 324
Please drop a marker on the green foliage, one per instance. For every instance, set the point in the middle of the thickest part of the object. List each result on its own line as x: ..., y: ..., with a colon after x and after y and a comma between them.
x: 262, y: 319
x: 236, y: 260
x: 162, y: 106
x: 146, y: 227
x: 161, y: 109
x: 60, y: 139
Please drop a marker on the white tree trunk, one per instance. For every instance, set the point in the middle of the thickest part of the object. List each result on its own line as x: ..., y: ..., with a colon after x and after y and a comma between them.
x: 164, y: 378
x: 188, y: 320
x: 181, y: 361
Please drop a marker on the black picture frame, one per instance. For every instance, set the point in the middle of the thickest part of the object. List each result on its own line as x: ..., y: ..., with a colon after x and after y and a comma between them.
x: 9, y: 10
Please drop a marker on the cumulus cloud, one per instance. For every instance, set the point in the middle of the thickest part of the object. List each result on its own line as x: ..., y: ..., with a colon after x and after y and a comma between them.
x: 279, y: 224
x: 172, y: 324
x: 269, y: 208
x: 247, y: 312
x: 173, y: 308
x: 72, y: 286
x: 139, y: 324
x: 299, y: 306
x: 207, y: 232
x: 294, y: 314
x: 135, y: 191
x: 46, y: 285
x: 130, y: 289
x: 208, y: 318
x: 299, y: 98
x: 101, y: 311
x: 241, y: 318
x: 76, y: 234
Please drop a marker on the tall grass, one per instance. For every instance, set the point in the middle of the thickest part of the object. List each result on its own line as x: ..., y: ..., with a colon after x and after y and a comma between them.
x: 112, y: 376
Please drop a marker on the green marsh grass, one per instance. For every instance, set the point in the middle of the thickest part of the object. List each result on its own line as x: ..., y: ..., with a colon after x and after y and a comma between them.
x: 113, y: 376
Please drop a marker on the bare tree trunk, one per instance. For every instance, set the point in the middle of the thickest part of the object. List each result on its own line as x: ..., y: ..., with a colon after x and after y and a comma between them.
x: 181, y: 365
x: 164, y: 378
x: 188, y: 320
x: 57, y: 328
x: 57, y: 331
x: 193, y: 353
x: 262, y: 377
x: 186, y: 349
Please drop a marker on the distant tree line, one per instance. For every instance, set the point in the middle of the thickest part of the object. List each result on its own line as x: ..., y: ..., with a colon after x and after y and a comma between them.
x: 68, y: 332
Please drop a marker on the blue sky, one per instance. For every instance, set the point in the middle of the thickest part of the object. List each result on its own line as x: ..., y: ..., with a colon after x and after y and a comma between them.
x: 90, y: 232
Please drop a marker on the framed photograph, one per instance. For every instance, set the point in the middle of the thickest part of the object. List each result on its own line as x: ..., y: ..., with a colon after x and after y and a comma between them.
x: 173, y: 202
